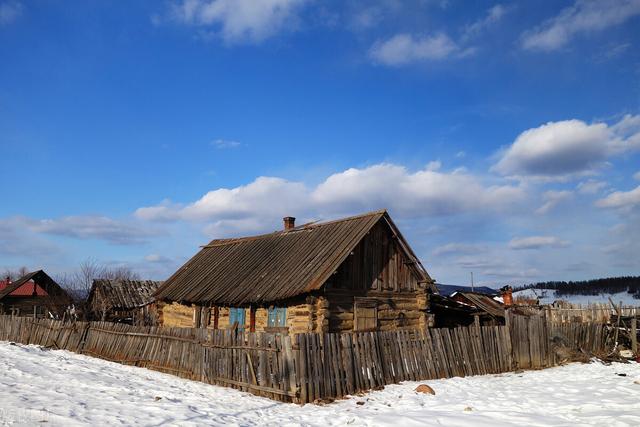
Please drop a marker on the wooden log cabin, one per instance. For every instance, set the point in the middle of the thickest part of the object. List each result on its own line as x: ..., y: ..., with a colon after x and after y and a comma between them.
x: 34, y: 295
x: 123, y: 301
x: 353, y: 274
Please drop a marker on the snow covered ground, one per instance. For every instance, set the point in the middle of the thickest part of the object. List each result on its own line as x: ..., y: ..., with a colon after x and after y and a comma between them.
x: 548, y: 296
x: 61, y: 388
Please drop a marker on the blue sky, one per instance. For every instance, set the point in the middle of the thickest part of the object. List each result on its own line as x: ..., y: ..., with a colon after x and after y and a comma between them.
x: 502, y: 137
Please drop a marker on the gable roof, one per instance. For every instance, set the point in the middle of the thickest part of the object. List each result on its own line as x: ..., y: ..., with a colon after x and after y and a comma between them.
x: 275, y: 266
x: 42, y: 279
x: 26, y: 289
x: 123, y: 294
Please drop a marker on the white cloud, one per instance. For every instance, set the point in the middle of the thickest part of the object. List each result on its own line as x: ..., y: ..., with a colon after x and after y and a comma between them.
x: 560, y: 149
x: 10, y: 11
x: 591, y: 186
x: 403, y: 49
x: 621, y: 199
x: 551, y: 199
x: 366, y: 18
x: 222, y: 144
x: 266, y: 196
x: 581, y: 18
x: 88, y: 227
x: 493, y: 16
x: 460, y: 154
x: 17, y: 240
x: 458, y: 248
x: 425, y: 192
x: 238, y: 21
x: 156, y: 258
x: 537, y: 242
x: 636, y: 176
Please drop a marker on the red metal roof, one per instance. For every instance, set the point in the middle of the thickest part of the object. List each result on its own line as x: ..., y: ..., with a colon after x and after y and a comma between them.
x: 25, y: 290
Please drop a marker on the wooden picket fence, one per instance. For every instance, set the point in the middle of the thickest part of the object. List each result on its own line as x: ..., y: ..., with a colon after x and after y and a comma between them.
x: 587, y: 313
x: 313, y: 367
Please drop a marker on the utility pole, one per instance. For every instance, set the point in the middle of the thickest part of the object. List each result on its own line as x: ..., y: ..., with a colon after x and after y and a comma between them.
x: 472, y: 289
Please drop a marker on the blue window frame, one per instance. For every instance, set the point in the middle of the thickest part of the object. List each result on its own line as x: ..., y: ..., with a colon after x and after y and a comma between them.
x: 237, y: 315
x: 277, y: 317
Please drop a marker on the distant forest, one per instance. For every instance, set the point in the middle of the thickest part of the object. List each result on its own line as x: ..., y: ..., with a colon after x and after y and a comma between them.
x: 609, y: 285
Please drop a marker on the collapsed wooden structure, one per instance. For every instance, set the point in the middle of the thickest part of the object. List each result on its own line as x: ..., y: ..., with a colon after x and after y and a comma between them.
x: 125, y: 301
x: 353, y: 274
x: 35, y: 295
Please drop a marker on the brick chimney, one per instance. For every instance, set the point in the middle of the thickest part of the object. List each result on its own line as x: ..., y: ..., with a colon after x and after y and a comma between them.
x: 289, y: 223
x: 507, y: 295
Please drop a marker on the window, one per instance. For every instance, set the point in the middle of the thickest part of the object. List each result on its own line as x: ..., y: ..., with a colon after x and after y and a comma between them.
x: 366, y: 315
x: 277, y: 317
x: 236, y: 315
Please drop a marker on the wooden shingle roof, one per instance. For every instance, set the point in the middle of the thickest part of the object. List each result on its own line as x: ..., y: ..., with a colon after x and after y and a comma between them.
x: 123, y: 294
x: 274, y: 266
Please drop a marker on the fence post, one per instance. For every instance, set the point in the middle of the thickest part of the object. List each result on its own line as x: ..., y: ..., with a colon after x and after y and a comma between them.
x: 290, y: 366
x: 634, y: 334
x: 507, y: 324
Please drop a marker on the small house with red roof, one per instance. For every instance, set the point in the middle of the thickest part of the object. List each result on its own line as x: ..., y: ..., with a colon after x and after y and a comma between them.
x: 35, y: 294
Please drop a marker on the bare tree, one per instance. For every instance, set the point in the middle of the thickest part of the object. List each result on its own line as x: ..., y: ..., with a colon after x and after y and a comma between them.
x: 14, y: 275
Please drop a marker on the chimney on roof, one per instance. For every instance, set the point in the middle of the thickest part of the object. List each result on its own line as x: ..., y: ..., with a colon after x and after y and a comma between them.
x: 507, y: 295
x: 289, y: 223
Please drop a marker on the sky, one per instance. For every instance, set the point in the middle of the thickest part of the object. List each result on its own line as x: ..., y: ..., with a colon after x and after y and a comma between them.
x: 502, y: 137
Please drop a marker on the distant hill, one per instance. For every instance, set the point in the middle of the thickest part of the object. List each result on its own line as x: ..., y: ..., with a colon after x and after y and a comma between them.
x: 449, y: 289
x: 609, y: 285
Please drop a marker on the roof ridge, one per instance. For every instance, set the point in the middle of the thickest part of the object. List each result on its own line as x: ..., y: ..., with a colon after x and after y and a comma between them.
x: 303, y: 227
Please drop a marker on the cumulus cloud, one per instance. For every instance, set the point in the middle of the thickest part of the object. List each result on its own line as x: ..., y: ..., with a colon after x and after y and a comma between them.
x: 537, y: 242
x: 583, y: 17
x: 265, y: 196
x: 621, y: 199
x: 239, y: 21
x: 558, y: 149
x: 551, y: 199
x: 403, y: 49
x: 591, y: 186
x: 425, y: 192
x: 10, y: 11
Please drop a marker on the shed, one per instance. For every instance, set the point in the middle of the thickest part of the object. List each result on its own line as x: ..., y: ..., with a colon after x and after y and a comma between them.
x: 356, y: 273
x: 126, y: 301
x: 489, y: 310
x: 35, y: 294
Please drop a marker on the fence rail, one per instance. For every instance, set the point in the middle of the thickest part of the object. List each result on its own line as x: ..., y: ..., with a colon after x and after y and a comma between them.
x: 309, y: 367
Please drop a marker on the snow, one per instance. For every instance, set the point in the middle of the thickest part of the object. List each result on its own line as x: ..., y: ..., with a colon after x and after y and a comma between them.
x: 548, y: 296
x: 62, y: 388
